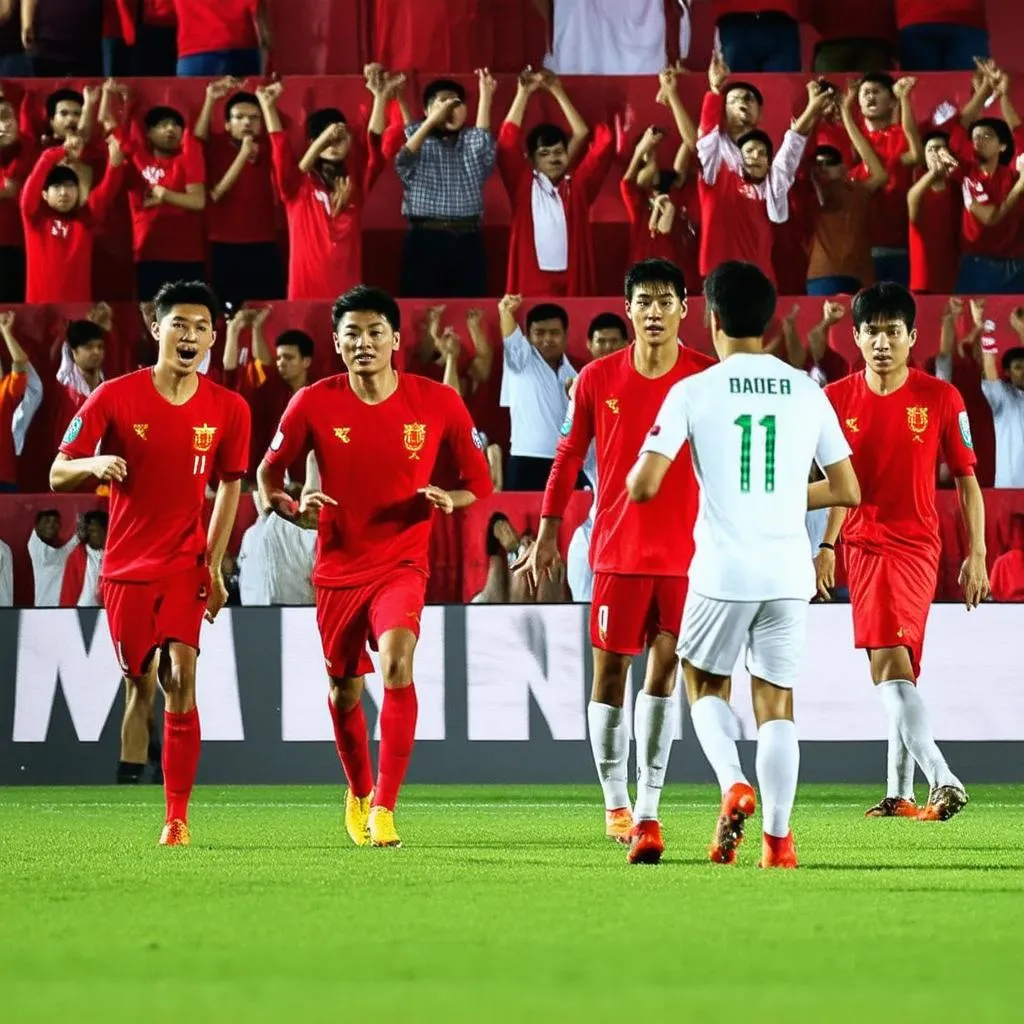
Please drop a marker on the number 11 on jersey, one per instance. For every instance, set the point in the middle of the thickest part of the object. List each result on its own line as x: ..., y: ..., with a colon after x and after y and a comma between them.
x: 746, y: 425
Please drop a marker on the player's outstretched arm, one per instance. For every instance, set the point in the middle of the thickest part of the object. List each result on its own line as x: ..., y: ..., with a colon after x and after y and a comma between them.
x: 645, y: 478
x: 839, y: 489
x: 67, y: 474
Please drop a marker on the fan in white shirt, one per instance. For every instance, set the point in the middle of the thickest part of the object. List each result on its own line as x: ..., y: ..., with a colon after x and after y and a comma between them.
x: 755, y: 425
x: 49, y: 557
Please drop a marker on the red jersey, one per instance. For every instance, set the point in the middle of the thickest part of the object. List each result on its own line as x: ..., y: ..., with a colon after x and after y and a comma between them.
x: 887, y: 224
x: 642, y: 244
x: 868, y: 19
x: 935, y: 241
x: 267, y: 397
x: 432, y: 35
x: 325, y: 257
x: 614, y: 407
x: 15, y: 166
x: 58, y: 247
x: 940, y: 12
x: 156, y: 515
x: 896, y: 441
x: 166, y: 232
x: 12, y: 391
x: 204, y: 27
x: 373, y: 459
x: 245, y: 213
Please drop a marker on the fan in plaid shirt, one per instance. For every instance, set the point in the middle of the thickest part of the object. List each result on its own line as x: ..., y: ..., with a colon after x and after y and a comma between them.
x: 443, y: 167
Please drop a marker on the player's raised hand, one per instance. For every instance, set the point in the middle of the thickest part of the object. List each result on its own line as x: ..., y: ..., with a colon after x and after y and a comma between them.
x: 832, y: 312
x: 974, y: 581
x: 218, y: 595
x: 109, y: 467
x: 270, y: 93
x: 509, y: 304
x: 954, y: 307
x: 978, y: 313
x: 7, y: 321
x: 903, y: 87
x: 1017, y: 320
x: 825, y: 573
x: 439, y: 498
x: 488, y: 83
x: 718, y: 72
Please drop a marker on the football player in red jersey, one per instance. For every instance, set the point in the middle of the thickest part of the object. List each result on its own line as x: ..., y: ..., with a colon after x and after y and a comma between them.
x: 640, y: 553
x: 897, y: 421
x: 376, y: 434
x: 161, y: 433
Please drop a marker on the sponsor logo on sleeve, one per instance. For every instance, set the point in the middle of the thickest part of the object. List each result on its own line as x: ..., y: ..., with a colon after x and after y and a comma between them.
x: 965, y: 430
x: 478, y: 438
x: 566, y: 427
x: 278, y: 440
x: 74, y: 429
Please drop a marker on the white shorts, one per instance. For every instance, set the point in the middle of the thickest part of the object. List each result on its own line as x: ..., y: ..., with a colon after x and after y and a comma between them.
x: 773, y: 632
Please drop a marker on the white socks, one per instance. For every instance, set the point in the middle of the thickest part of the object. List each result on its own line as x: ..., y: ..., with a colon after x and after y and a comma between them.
x: 609, y: 741
x: 899, y: 766
x: 715, y: 725
x: 907, y: 712
x: 778, y: 764
x: 652, y: 725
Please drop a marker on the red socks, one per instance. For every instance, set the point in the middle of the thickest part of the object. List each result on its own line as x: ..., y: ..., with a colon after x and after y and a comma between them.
x: 397, y: 732
x: 353, y: 746
x: 180, y: 760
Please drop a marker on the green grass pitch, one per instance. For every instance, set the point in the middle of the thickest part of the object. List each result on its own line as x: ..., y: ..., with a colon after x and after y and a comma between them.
x: 505, y: 904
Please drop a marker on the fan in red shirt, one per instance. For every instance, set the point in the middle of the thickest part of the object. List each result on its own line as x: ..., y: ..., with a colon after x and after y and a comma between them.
x: 651, y: 194
x: 740, y: 206
x: 16, y: 161
x: 551, y: 246
x: 324, y: 192
x: 240, y: 214
x: 453, y: 36
x: 376, y: 434
x: 163, y: 432
x: 221, y: 38
x: 640, y: 553
x: 59, y: 232
x: 935, y: 208
x: 891, y: 130
x: 898, y: 421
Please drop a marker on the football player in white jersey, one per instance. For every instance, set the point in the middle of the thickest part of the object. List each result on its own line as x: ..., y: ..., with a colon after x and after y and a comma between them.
x: 755, y: 425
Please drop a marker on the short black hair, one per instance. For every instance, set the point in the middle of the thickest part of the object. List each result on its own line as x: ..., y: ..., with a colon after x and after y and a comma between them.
x: 186, y: 293
x: 1003, y: 133
x: 60, y: 175
x: 82, y: 332
x: 440, y: 85
x: 155, y: 115
x: 756, y: 135
x: 546, y: 135
x: 547, y: 311
x: 666, y: 180
x: 878, y: 78
x: 655, y: 272
x: 241, y: 97
x: 97, y: 516
x: 746, y: 87
x: 299, y: 339
x: 45, y: 513
x: 830, y: 153
x: 883, y: 301
x: 320, y: 120
x: 62, y: 96
x: 935, y: 133
x: 1011, y: 355
x: 607, y: 322
x: 364, y: 299
x: 742, y: 297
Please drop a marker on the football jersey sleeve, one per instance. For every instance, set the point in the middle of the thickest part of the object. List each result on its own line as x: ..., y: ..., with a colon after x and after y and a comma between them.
x: 292, y: 435
x: 957, y: 443
x: 577, y: 434
x: 89, y: 425
x: 671, y: 429
x: 233, y: 452
x: 467, y: 446
x: 832, y: 444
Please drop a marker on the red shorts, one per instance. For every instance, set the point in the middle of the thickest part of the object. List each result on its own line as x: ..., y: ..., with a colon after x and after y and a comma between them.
x: 142, y: 617
x: 348, y: 617
x: 628, y: 612
x: 891, y: 595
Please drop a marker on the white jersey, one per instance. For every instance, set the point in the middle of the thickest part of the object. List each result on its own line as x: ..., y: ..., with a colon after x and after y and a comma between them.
x: 754, y: 425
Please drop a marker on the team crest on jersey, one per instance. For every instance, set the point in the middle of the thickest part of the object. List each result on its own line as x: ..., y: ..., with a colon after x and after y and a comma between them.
x: 965, y: 429
x: 342, y: 434
x: 202, y: 437
x: 851, y: 425
x: 917, y: 420
x: 74, y: 429
x: 140, y: 429
x: 613, y: 404
x: 414, y: 437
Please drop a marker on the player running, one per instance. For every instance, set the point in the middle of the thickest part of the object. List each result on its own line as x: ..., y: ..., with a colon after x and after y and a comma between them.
x: 163, y: 432
x: 640, y: 553
x: 376, y: 434
x: 755, y: 425
x: 898, y: 420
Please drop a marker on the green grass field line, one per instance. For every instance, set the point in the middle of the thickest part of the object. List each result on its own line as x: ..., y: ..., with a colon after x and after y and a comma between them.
x: 505, y: 904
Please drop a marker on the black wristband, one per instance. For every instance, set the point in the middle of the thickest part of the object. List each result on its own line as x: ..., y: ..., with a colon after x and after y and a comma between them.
x: 825, y: 544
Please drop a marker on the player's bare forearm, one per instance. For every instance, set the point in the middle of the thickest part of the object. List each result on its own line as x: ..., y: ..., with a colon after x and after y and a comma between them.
x: 193, y: 199
x: 19, y: 358
x: 69, y: 474
x: 972, y: 510
x: 834, y: 526
x: 989, y: 367
x: 645, y: 478
x: 548, y: 532
x: 462, y: 499
x: 222, y: 521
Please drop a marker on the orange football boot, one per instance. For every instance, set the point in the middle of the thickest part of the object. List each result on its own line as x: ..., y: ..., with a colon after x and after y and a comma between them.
x: 893, y: 807
x: 618, y: 823
x: 778, y: 853
x: 645, y: 843
x: 175, y: 833
x: 738, y: 804
x: 943, y: 803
